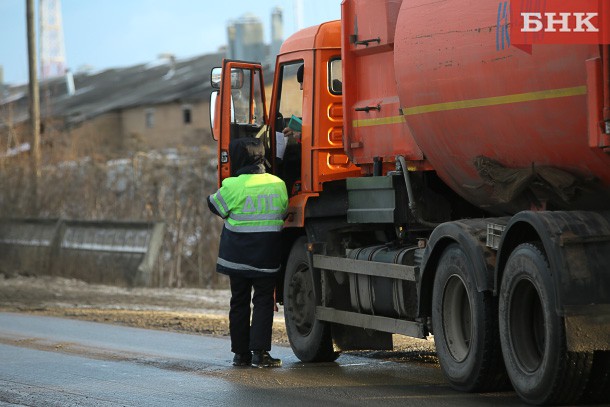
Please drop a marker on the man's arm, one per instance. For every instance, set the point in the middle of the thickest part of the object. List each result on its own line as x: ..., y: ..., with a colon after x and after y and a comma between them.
x: 211, y: 206
x: 288, y: 132
x: 217, y: 203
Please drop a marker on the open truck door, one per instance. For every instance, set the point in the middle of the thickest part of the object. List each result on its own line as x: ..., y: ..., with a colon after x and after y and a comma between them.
x: 237, y: 108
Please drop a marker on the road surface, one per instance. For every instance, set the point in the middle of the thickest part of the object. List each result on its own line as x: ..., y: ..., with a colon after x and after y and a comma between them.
x: 46, y: 361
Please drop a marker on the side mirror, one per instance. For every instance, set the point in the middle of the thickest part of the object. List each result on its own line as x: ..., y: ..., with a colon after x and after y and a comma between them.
x: 237, y: 78
x: 215, y: 78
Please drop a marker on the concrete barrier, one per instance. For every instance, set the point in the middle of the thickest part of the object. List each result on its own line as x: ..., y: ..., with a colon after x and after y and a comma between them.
x: 116, y: 253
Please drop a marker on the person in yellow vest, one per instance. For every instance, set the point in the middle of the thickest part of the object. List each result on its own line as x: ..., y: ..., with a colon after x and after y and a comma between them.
x: 253, y: 205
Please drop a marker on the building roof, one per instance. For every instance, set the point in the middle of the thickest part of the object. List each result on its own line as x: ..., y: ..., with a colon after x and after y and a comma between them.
x: 169, y: 81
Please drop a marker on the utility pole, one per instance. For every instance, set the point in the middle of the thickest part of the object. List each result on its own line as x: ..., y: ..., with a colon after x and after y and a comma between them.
x: 34, y: 109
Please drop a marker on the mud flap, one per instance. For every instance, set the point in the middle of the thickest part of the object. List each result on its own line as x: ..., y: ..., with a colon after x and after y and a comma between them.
x: 353, y: 338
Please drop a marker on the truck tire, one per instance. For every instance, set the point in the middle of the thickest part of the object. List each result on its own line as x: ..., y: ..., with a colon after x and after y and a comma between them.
x: 539, y: 366
x: 310, y: 339
x: 465, y: 326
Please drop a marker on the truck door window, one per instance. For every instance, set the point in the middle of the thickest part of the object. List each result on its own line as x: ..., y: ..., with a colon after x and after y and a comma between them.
x: 247, y: 100
x: 335, y: 76
x: 291, y: 96
x: 248, y: 111
x: 289, y: 104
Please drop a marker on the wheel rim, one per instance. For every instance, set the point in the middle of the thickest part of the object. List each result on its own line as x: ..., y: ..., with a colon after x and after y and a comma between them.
x: 302, y: 310
x: 527, y: 323
x: 457, y: 318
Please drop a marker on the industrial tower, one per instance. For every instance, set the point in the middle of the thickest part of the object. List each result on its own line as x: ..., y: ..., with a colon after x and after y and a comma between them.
x: 277, y: 34
x: 298, y: 14
x: 52, y: 49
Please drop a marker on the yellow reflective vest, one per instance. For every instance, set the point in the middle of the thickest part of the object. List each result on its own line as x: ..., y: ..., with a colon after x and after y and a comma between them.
x: 253, y: 207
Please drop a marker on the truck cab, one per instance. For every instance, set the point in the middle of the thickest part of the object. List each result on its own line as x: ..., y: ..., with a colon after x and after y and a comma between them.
x: 318, y: 156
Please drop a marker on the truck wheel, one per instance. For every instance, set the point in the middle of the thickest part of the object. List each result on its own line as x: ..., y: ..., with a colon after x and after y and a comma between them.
x: 465, y: 326
x: 310, y: 339
x: 533, y: 336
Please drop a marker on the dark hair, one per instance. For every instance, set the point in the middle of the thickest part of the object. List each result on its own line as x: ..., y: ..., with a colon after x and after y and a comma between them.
x: 300, y: 74
x: 246, y: 152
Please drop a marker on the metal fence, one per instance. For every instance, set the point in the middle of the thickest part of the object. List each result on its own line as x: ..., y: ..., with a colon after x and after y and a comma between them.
x: 117, y: 253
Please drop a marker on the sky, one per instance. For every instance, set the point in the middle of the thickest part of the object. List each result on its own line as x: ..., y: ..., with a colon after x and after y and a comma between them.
x: 116, y: 33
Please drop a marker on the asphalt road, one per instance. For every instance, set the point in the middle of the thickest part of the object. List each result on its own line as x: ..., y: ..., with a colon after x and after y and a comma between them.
x: 47, y: 361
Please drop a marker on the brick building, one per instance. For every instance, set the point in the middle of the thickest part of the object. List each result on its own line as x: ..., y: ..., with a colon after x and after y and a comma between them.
x: 114, y: 112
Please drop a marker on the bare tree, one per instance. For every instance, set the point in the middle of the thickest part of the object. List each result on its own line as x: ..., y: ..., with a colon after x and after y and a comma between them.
x: 146, y: 187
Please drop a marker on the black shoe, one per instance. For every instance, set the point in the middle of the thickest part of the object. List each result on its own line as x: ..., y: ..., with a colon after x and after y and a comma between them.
x: 242, y: 359
x: 264, y: 359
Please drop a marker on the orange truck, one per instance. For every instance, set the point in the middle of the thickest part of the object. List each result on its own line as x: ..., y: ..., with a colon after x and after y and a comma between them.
x: 443, y: 183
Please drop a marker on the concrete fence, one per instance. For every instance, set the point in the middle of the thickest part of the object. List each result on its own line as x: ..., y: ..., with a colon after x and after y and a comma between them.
x: 115, y: 253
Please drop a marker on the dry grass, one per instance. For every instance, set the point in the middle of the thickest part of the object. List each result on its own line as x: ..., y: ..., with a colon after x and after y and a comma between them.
x: 170, y: 187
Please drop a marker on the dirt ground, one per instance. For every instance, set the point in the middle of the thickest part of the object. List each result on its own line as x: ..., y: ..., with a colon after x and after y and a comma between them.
x: 196, y: 311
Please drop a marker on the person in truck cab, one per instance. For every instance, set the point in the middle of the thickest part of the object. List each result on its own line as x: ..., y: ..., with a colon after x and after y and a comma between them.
x: 290, y: 163
x: 252, y: 204
x: 288, y: 132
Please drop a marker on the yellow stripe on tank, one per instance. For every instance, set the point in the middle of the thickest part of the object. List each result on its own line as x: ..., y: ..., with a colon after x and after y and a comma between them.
x: 496, y: 100
x: 467, y: 104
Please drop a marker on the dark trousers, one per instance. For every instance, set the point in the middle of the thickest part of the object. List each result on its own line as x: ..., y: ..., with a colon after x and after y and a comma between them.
x: 256, y: 336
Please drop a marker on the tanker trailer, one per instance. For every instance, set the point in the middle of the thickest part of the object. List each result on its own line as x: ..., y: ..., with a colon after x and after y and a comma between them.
x: 522, y: 136
x: 450, y: 184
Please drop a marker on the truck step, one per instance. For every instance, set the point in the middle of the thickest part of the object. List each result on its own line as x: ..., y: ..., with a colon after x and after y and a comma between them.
x: 365, y: 267
x: 383, y: 324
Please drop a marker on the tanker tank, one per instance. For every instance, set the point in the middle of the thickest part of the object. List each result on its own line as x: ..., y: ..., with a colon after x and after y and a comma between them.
x: 506, y: 129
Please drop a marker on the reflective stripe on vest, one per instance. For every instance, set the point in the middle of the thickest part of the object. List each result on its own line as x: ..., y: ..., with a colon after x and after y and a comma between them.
x: 253, y: 228
x: 252, y: 203
x: 220, y: 204
x: 239, y: 266
x: 257, y: 216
